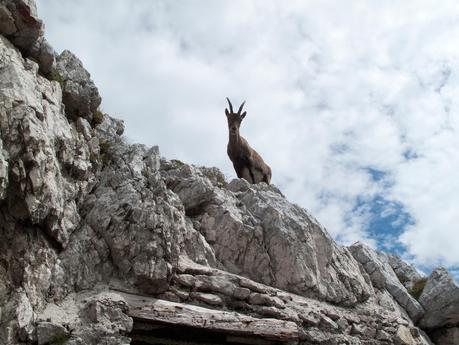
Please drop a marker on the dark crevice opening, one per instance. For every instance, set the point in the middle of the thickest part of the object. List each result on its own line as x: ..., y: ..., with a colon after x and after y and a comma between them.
x: 146, y: 333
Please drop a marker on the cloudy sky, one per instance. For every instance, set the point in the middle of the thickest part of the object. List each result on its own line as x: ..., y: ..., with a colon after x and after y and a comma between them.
x: 353, y: 104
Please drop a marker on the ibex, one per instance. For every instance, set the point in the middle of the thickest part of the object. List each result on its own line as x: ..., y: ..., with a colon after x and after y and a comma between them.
x: 246, y: 161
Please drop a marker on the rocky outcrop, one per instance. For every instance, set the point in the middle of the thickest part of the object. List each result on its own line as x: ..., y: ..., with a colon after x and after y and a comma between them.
x: 103, y: 242
x: 308, y: 320
x: 49, y: 164
x: 80, y: 95
x: 254, y: 231
x: 378, y: 267
x: 96, y: 317
x: 446, y: 336
x: 440, y: 299
x: 406, y: 274
x: 19, y: 22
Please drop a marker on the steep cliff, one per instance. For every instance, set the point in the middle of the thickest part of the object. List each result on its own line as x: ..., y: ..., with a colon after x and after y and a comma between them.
x: 104, y: 242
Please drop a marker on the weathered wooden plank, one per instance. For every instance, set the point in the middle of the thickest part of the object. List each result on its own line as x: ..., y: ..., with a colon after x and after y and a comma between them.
x: 155, y: 310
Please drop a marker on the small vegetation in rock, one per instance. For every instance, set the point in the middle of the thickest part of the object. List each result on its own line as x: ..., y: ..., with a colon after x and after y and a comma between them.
x: 55, y: 75
x: 417, y: 288
x: 97, y: 118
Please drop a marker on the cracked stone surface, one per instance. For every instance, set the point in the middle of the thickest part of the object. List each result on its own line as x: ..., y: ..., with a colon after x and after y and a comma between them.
x: 440, y: 299
x: 80, y: 95
x: 383, y: 277
x: 255, y: 232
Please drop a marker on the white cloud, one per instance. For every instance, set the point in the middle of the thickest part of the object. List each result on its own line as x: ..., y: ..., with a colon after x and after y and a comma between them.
x: 333, y: 88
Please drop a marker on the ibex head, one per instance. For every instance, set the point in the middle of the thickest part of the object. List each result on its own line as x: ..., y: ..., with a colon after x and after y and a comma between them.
x: 234, y: 119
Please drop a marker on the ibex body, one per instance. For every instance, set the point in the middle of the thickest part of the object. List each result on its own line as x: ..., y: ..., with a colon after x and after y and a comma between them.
x: 246, y: 161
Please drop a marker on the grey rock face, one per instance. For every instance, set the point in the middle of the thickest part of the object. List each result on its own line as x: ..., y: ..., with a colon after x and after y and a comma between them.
x: 446, y: 336
x: 382, y: 276
x: 20, y: 23
x: 7, y: 26
x: 141, y: 222
x: 254, y: 231
x: 17, y: 318
x: 48, y: 332
x: 86, y: 318
x: 304, y: 319
x: 3, y: 172
x: 80, y: 95
x: 440, y: 299
x: 406, y: 274
x: 49, y: 166
x: 44, y: 54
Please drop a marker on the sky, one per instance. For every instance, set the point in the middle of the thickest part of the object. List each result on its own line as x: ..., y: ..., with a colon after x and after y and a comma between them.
x: 353, y: 104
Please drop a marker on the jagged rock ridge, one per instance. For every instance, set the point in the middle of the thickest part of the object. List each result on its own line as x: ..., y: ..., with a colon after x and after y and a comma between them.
x: 107, y: 242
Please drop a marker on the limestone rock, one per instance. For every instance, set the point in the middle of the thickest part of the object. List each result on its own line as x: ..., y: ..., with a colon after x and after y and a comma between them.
x: 203, y: 318
x: 44, y: 54
x: 139, y: 219
x: 3, y: 172
x: 255, y: 232
x: 20, y: 23
x: 17, y: 318
x: 446, y: 336
x: 207, y: 298
x: 440, y: 299
x: 48, y: 332
x: 80, y: 95
x: 404, y: 336
x: 50, y: 167
x: 86, y: 318
x: 383, y: 277
x: 406, y: 274
x: 7, y: 25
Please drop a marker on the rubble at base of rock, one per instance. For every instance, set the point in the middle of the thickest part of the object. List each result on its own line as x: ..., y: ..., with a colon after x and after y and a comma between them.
x: 103, y: 241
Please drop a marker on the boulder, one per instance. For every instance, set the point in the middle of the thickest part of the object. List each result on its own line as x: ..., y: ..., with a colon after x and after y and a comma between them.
x: 49, y: 333
x: 20, y: 23
x: 406, y: 274
x: 91, y: 318
x: 440, y: 299
x: 44, y: 55
x: 80, y: 95
x: 446, y: 336
x: 377, y: 265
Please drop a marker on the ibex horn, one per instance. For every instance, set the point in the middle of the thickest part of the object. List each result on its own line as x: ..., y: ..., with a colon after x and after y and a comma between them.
x: 230, y: 105
x: 240, y: 108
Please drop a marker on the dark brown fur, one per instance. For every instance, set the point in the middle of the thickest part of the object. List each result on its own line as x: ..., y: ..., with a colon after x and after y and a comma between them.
x: 246, y: 161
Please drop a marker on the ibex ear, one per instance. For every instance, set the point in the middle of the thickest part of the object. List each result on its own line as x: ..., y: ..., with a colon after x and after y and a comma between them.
x: 243, y: 115
x: 226, y: 112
